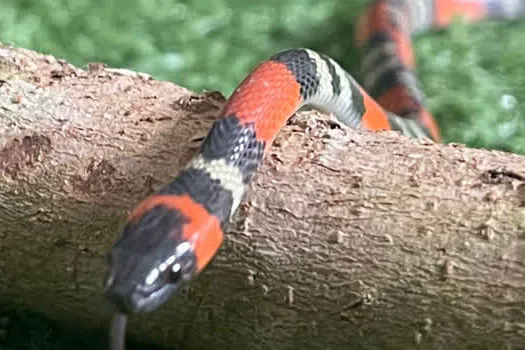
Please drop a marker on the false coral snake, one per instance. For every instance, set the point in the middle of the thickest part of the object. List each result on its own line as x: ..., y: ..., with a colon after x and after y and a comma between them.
x: 172, y: 235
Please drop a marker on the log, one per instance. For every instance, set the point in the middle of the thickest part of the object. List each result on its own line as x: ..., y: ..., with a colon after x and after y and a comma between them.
x: 346, y: 239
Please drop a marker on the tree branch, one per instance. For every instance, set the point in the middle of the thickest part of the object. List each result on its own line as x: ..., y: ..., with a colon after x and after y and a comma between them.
x: 345, y: 238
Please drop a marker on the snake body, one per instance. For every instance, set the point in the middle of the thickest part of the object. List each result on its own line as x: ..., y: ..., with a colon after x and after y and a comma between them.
x: 172, y: 235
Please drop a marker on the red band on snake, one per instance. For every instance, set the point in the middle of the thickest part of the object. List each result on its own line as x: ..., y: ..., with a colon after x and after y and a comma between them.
x: 172, y: 235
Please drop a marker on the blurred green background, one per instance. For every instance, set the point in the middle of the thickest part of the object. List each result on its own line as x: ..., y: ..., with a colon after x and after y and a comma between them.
x: 473, y: 75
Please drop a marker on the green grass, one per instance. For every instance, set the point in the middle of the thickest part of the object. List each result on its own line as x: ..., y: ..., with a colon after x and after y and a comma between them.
x: 466, y: 71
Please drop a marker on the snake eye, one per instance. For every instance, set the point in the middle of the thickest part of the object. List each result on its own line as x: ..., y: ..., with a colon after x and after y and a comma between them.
x: 178, y: 268
x: 183, y: 269
x: 175, y: 274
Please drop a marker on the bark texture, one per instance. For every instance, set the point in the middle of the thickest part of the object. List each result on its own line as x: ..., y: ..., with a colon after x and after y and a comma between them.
x: 346, y: 240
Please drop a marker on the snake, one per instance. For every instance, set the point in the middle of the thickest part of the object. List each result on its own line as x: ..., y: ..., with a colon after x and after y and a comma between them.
x: 173, y: 234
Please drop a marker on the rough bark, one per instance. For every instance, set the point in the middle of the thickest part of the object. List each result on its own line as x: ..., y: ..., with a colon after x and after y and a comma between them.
x: 347, y: 239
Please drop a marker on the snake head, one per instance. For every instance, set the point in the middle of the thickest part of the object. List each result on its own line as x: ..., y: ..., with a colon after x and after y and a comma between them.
x: 149, y: 261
